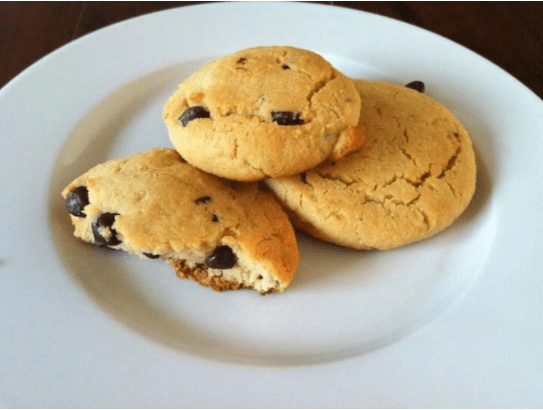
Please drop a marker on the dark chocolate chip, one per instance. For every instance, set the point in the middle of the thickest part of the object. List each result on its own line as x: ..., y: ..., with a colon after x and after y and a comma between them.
x: 303, y: 177
x: 151, y: 255
x: 215, y: 218
x: 203, y: 200
x: 192, y: 113
x: 242, y: 60
x: 222, y: 258
x: 105, y: 220
x: 285, y: 67
x: 286, y: 118
x: 76, y: 200
x: 416, y: 85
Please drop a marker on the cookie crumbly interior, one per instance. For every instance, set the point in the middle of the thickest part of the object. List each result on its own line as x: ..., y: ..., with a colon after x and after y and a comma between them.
x: 254, y: 277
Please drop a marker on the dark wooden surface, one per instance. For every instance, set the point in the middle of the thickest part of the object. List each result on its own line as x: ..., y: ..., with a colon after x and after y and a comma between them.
x: 508, y: 34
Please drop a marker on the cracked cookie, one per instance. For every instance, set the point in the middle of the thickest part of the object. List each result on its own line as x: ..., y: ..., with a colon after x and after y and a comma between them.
x: 412, y: 178
x: 264, y: 112
x: 153, y: 204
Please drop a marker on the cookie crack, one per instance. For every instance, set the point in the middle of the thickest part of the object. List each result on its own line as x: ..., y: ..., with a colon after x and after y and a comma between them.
x: 337, y: 178
x: 420, y: 181
x: 451, y: 163
x: 260, y: 102
x: 414, y: 200
x: 235, y: 111
x: 425, y: 218
x: 405, y: 136
x: 179, y: 179
x: 319, y: 85
x: 236, y: 146
x: 246, y: 162
x: 451, y: 188
x: 262, y: 173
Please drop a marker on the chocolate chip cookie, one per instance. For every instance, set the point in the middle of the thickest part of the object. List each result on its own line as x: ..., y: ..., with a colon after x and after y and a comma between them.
x: 264, y: 112
x: 413, y: 177
x: 153, y: 204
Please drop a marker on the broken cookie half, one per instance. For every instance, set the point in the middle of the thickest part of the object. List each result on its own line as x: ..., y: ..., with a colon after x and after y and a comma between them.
x: 153, y: 204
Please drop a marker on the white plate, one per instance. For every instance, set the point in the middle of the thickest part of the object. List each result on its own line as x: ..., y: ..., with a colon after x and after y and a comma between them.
x: 454, y: 321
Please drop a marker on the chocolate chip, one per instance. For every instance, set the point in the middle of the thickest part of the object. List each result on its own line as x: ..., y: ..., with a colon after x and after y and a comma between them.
x: 416, y: 85
x: 151, y: 255
x: 285, y: 67
x: 203, y: 200
x: 222, y: 258
x: 76, y: 200
x: 303, y: 177
x: 286, y: 118
x: 192, y: 113
x: 242, y: 60
x: 215, y: 218
x: 105, y: 220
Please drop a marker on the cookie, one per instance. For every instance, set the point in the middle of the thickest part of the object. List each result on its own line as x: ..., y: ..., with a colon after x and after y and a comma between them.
x: 414, y: 175
x: 155, y: 205
x: 264, y: 112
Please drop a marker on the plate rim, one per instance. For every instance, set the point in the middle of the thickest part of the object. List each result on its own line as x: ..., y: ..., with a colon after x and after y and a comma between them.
x: 330, y: 369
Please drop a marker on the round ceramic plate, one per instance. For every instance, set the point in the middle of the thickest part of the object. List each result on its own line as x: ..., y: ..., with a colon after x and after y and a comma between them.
x: 444, y: 322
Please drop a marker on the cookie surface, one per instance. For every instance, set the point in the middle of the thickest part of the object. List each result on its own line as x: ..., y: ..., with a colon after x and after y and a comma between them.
x: 154, y: 204
x: 264, y: 112
x: 414, y: 175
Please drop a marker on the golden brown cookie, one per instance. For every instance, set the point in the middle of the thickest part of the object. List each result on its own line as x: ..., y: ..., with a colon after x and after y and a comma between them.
x: 153, y: 204
x: 264, y: 112
x: 414, y: 175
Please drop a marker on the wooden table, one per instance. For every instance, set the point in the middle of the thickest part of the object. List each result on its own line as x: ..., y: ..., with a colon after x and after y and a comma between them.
x: 508, y: 34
